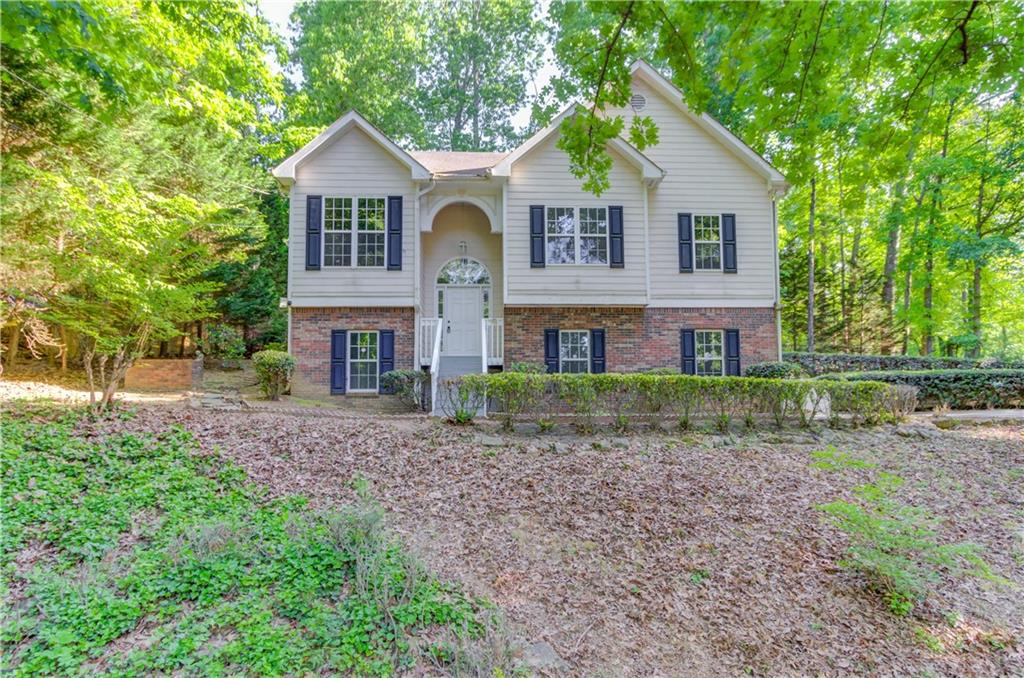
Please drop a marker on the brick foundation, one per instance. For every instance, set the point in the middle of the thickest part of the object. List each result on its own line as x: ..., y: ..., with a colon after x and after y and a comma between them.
x: 639, y: 338
x: 164, y: 374
x: 311, y: 340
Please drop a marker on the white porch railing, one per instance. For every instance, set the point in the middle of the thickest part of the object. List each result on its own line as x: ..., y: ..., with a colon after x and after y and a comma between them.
x: 428, y: 329
x: 493, y: 342
x: 435, y: 363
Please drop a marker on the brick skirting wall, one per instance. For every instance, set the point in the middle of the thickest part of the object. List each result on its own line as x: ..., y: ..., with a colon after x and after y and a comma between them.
x: 639, y: 338
x: 311, y: 340
x: 165, y: 374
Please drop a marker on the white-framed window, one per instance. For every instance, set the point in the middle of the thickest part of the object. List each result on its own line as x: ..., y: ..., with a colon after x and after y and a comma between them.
x: 707, y: 242
x: 337, y: 231
x: 363, y: 353
x: 574, y: 351
x: 576, y: 235
x: 370, y: 232
x: 708, y: 351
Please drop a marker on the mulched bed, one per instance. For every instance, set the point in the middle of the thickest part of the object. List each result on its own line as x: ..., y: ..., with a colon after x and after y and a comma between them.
x: 666, y: 554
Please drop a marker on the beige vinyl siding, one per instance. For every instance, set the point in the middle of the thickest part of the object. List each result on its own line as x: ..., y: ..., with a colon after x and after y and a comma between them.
x: 704, y: 177
x: 353, y: 165
x: 542, y: 177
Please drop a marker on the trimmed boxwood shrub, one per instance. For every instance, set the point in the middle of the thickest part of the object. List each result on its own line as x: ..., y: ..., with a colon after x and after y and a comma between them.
x: 775, y: 370
x: 722, y: 401
x: 274, y: 370
x: 825, y: 363
x: 409, y: 386
x: 959, y: 389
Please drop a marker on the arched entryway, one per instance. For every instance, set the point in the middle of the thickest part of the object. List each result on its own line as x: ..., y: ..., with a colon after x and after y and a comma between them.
x: 462, y: 291
x: 460, y: 282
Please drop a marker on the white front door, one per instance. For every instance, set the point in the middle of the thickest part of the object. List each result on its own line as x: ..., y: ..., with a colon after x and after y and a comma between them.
x: 463, y: 310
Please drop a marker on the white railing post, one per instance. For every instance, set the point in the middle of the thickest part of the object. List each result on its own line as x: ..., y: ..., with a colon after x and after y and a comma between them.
x: 435, y: 362
x: 483, y: 345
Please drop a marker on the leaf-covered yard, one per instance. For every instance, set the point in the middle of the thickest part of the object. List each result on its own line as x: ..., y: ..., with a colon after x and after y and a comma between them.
x: 667, y: 554
x: 128, y: 550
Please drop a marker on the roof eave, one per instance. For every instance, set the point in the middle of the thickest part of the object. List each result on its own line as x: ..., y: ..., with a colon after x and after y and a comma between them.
x: 285, y: 172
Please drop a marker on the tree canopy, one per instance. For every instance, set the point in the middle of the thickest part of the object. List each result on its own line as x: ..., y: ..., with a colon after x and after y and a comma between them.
x: 136, y: 136
x: 897, y: 123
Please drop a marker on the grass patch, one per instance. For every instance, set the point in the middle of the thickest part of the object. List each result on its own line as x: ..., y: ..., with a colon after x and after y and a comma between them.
x: 134, y: 553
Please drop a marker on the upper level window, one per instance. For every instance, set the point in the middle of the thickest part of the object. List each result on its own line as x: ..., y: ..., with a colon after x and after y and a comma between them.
x: 370, y: 232
x: 361, y: 219
x: 708, y: 352
x: 707, y: 242
x: 574, y: 351
x: 337, y: 231
x: 577, y: 235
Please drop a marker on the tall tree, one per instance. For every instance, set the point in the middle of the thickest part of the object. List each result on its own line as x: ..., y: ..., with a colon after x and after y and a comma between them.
x: 810, y: 83
x: 430, y: 74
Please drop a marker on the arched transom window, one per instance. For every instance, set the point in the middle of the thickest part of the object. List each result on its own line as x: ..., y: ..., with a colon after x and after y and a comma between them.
x: 463, y: 271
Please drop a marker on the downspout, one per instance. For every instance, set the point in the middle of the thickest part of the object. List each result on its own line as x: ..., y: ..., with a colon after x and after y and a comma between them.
x: 778, y: 285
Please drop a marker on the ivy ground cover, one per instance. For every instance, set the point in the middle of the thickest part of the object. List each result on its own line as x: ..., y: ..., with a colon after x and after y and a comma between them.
x: 129, y: 550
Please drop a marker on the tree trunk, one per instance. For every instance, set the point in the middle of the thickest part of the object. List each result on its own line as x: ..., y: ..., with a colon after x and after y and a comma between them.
x: 978, y: 261
x: 63, y: 349
x: 12, y: 345
x: 810, y: 267
x: 908, y: 274
x: 894, y: 220
x: 928, y: 339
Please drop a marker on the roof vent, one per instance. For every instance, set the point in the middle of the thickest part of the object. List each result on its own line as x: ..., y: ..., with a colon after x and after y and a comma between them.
x: 638, y: 102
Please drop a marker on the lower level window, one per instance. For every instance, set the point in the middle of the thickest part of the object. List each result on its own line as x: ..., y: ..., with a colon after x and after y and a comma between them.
x: 362, y: 359
x: 709, y: 352
x: 574, y: 351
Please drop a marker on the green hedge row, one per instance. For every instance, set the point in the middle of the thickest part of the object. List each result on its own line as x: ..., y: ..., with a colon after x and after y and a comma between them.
x: 823, y: 363
x: 629, y: 398
x: 958, y: 389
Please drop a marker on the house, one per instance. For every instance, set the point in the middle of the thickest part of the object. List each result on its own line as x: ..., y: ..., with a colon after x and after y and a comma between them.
x: 461, y: 262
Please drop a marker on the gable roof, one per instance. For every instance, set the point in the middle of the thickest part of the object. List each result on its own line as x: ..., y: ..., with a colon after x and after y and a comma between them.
x: 285, y: 172
x: 457, y: 163
x: 652, y: 174
x: 715, y: 129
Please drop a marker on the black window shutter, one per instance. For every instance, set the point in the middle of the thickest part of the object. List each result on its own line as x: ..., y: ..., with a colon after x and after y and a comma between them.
x: 617, y: 255
x: 536, y: 236
x: 688, y: 350
x: 597, y: 362
x: 339, y: 353
x: 732, y: 353
x: 728, y: 243
x: 551, y: 350
x: 394, y: 233
x: 685, y: 242
x: 387, y: 356
x: 314, y: 208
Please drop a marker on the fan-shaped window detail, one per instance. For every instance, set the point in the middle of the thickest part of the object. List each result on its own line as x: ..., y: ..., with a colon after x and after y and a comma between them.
x: 464, y: 271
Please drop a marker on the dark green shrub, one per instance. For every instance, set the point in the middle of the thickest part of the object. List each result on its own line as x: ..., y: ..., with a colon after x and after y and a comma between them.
x: 660, y: 370
x: 624, y: 398
x: 409, y: 386
x: 824, y: 363
x: 958, y: 389
x: 518, y: 392
x: 223, y: 342
x: 775, y: 370
x: 528, y: 367
x: 275, y: 346
x: 274, y: 370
